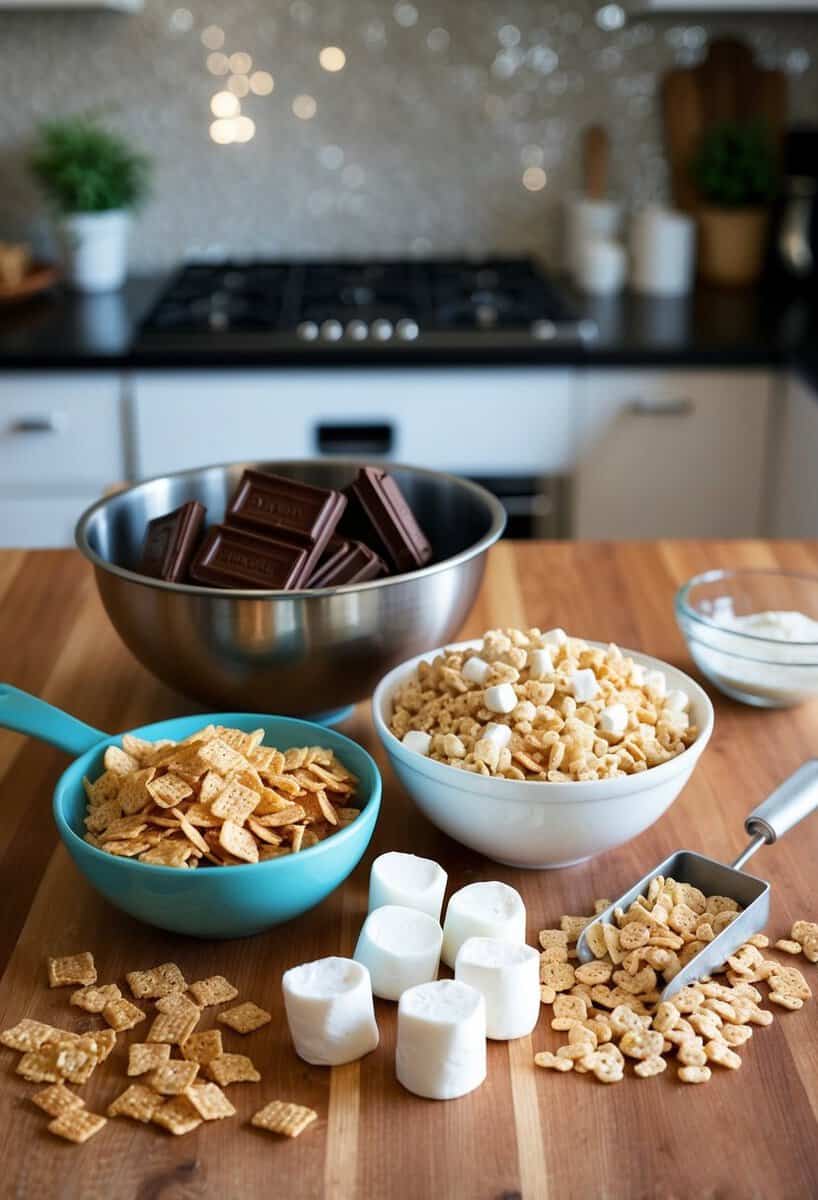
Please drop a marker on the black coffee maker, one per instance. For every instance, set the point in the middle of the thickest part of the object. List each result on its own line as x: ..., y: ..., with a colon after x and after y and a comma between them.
x: 794, y: 232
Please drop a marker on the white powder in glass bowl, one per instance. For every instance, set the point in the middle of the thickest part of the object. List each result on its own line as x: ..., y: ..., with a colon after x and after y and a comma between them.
x: 776, y: 667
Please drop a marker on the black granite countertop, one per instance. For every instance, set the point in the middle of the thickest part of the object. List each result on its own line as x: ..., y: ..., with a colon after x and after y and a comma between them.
x: 711, y: 328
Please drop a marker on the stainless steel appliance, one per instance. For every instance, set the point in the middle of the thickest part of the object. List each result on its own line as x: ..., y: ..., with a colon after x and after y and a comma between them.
x: 444, y: 305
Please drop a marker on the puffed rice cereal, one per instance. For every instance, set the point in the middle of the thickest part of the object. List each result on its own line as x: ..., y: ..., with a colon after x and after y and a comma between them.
x: 541, y: 706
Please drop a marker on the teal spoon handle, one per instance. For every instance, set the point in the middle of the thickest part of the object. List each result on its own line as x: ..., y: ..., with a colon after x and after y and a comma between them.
x: 28, y: 714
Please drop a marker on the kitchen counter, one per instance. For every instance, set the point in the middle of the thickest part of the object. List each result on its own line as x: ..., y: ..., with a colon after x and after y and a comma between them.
x: 527, y: 1134
x: 708, y: 329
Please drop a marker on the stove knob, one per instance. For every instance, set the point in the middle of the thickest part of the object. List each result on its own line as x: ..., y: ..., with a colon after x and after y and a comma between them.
x: 407, y: 329
x: 332, y: 330
x: 544, y: 330
x: 357, y: 331
x: 307, y: 331
x: 382, y: 329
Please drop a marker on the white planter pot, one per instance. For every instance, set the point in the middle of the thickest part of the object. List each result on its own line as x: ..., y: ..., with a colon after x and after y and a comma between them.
x: 95, y: 249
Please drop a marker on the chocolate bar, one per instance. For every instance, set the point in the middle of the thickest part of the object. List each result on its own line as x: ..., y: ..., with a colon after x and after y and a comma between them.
x: 378, y: 510
x: 232, y: 558
x: 290, y: 511
x: 346, y: 561
x: 170, y: 542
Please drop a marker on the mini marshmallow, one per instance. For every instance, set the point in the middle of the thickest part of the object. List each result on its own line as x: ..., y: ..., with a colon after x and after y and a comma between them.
x: 488, y: 909
x: 415, y: 739
x: 499, y: 735
x: 656, y: 682
x: 500, y: 699
x: 637, y: 675
x: 508, y: 977
x: 583, y: 684
x: 400, y: 947
x: 614, y: 719
x: 540, y: 663
x: 330, y: 1011
x: 408, y: 881
x: 441, y: 1046
x: 677, y: 700
x: 475, y: 670
x: 555, y: 637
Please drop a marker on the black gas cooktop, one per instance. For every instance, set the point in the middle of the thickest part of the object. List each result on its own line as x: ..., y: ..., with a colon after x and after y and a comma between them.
x: 366, y: 306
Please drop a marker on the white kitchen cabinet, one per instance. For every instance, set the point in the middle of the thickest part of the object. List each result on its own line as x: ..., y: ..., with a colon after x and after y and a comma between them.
x: 508, y: 420
x: 794, y: 491
x: 61, y: 444
x: 671, y: 453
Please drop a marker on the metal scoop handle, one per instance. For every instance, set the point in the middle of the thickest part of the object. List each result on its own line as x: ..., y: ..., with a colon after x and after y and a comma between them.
x: 793, y: 800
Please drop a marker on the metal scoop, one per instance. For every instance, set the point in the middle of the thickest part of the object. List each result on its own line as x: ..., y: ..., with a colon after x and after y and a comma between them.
x: 793, y: 800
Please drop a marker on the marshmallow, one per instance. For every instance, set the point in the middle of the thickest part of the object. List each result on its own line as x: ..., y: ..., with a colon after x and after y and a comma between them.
x: 555, y: 637
x: 330, y: 1011
x: 583, y: 684
x: 614, y: 719
x: 508, y: 977
x: 637, y: 674
x: 656, y: 682
x: 540, y: 663
x: 677, y: 700
x: 415, y: 740
x: 400, y: 947
x: 408, y: 881
x: 441, y: 1046
x: 498, y: 735
x: 500, y: 699
x: 475, y: 670
x: 492, y: 910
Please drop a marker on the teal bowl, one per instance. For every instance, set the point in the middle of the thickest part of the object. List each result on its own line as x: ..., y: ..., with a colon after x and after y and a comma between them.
x: 210, y: 901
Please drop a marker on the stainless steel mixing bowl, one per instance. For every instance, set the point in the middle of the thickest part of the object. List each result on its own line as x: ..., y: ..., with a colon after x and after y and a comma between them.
x: 292, y: 653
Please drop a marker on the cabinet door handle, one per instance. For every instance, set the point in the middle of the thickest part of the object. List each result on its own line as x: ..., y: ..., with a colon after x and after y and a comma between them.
x: 49, y: 423
x: 682, y: 406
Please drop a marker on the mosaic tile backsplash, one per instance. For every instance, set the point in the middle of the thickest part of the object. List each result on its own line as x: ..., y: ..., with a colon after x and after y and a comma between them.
x: 295, y: 127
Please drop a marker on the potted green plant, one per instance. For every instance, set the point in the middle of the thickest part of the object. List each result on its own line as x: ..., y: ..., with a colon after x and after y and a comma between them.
x: 92, y: 179
x: 735, y: 174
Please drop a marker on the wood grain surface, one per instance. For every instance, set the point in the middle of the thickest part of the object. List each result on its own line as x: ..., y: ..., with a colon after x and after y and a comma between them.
x: 526, y: 1133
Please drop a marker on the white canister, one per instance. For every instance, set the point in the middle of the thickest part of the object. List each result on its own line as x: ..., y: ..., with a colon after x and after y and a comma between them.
x: 602, y: 267
x: 95, y: 249
x: 588, y: 220
x: 663, y: 245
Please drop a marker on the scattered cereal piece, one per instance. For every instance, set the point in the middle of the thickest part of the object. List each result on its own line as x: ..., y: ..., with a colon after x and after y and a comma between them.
x: 137, y: 1102
x: 147, y: 1056
x: 719, y: 1052
x: 280, y: 1117
x: 177, y: 1115
x: 654, y: 1064
x: 559, y: 976
x: 74, y: 968
x: 811, y: 948
x: 173, y: 1077
x: 210, y: 1101
x: 788, y: 946
x: 93, y: 998
x: 246, y: 1018
x: 157, y: 982
x: 28, y: 1035
x: 121, y: 1014
x: 232, y: 1068
x: 57, y: 1099
x: 203, y: 1047
x: 694, y: 1074
x: 76, y: 1125
x: 215, y: 990
x: 552, y: 1061
x: 785, y: 1000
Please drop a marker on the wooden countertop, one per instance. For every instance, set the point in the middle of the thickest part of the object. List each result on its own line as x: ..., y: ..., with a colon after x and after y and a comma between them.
x: 526, y: 1133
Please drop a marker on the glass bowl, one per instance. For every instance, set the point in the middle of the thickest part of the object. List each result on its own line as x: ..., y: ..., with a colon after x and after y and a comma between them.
x: 758, y: 666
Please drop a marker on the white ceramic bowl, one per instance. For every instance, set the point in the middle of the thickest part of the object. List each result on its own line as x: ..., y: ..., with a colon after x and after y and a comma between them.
x: 525, y: 823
